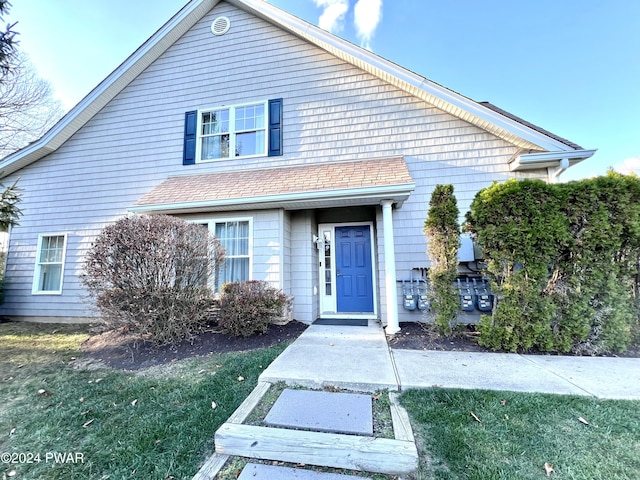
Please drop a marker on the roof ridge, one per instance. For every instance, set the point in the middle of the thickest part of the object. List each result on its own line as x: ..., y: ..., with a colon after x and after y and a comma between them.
x: 498, y: 123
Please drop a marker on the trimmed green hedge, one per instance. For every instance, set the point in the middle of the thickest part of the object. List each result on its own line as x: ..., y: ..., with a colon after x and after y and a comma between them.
x: 443, y: 236
x: 564, y: 259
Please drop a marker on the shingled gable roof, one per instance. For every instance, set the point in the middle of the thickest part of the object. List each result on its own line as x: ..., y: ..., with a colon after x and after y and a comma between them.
x: 495, y: 122
x: 361, y: 182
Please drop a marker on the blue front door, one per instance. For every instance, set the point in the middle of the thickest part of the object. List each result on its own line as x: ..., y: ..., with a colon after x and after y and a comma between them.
x: 354, y: 277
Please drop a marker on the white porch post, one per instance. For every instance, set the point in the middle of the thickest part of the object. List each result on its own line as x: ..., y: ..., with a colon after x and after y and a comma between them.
x: 393, y: 325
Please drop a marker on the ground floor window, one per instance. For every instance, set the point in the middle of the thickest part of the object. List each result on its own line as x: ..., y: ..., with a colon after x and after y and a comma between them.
x: 49, y: 269
x: 235, y: 236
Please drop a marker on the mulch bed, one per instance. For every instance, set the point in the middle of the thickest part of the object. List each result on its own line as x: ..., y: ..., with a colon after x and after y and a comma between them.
x: 420, y: 336
x: 120, y: 351
x: 117, y: 350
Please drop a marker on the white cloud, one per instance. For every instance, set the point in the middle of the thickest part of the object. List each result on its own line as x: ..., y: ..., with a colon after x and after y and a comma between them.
x: 332, y: 18
x: 630, y: 165
x: 367, y: 16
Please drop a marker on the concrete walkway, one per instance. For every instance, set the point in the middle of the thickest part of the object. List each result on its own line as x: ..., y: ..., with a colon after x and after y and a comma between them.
x: 602, y: 377
x: 358, y: 358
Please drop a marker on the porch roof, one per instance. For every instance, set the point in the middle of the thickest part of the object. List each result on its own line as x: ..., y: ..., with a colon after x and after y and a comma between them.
x: 320, y: 185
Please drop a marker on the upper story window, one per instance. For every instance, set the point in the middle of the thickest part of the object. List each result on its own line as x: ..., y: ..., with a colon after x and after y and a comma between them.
x: 236, y: 131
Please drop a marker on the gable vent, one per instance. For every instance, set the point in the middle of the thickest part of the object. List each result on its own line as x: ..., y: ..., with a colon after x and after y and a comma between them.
x: 220, y: 26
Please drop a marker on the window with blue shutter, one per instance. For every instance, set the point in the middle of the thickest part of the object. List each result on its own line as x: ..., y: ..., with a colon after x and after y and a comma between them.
x: 275, y: 127
x: 240, y: 131
x: 190, y: 126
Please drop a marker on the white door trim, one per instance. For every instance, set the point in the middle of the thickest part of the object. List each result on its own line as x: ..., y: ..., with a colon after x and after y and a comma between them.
x: 327, y: 303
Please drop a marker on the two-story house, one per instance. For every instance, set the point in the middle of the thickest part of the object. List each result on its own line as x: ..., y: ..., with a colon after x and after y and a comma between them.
x: 312, y: 159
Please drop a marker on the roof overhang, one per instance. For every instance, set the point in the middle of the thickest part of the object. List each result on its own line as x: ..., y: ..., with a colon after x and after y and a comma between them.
x: 293, y: 187
x: 291, y: 201
x: 562, y: 159
x: 441, y: 97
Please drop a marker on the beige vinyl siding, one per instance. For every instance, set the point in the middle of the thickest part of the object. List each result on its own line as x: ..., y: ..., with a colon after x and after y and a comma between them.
x: 332, y: 112
x: 304, y: 266
x: 286, y: 251
x: 267, y: 247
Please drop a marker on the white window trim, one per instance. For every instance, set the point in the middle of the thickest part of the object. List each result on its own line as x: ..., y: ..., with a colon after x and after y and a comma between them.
x: 211, y: 222
x: 37, y: 268
x: 212, y: 228
x: 232, y: 132
x: 6, y: 252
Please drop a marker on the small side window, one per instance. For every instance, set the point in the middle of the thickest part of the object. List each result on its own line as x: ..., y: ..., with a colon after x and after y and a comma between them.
x: 49, y: 268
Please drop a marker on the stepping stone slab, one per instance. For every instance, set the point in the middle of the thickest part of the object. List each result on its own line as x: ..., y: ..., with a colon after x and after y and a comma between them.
x: 257, y: 471
x: 331, y: 412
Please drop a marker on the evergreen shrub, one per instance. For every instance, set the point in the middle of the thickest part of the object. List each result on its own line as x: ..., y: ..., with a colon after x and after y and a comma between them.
x: 564, y: 260
x: 443, y: 241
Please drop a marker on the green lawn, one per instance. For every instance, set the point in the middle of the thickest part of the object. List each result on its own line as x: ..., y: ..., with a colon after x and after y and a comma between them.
x: 152, y: 424
x: 520, y: 432
x: 159, y: 423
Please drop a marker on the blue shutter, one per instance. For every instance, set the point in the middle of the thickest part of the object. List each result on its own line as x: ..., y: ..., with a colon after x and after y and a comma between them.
x: 275, y: 127
x: 189, y: 151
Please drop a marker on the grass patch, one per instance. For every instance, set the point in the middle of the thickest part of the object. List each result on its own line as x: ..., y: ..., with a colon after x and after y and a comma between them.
x: 151, y: 424
x: 519, y: 432
x: 28, y: 344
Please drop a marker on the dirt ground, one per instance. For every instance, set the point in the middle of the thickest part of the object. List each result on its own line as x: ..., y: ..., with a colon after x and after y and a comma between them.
x: 420, y: 336
x: 121, y: 351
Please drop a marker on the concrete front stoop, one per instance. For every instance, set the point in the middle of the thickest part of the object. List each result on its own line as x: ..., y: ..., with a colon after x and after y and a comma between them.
x: 354, y: 358
x: 365, y: 453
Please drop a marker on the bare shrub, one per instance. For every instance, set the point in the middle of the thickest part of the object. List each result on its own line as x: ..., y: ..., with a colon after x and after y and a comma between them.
x: 151, y: 275
x: 247, y: 308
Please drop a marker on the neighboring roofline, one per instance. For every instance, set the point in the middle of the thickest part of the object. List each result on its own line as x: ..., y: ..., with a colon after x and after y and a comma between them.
x: 289, y: 201
x: 505, y: 127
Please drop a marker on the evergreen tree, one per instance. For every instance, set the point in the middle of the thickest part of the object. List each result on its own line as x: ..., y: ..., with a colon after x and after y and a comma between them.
x: 443, y: 237
x: 7, y: 40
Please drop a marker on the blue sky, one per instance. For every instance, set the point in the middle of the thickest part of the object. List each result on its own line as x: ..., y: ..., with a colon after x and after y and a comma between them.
x: 570, y: 66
